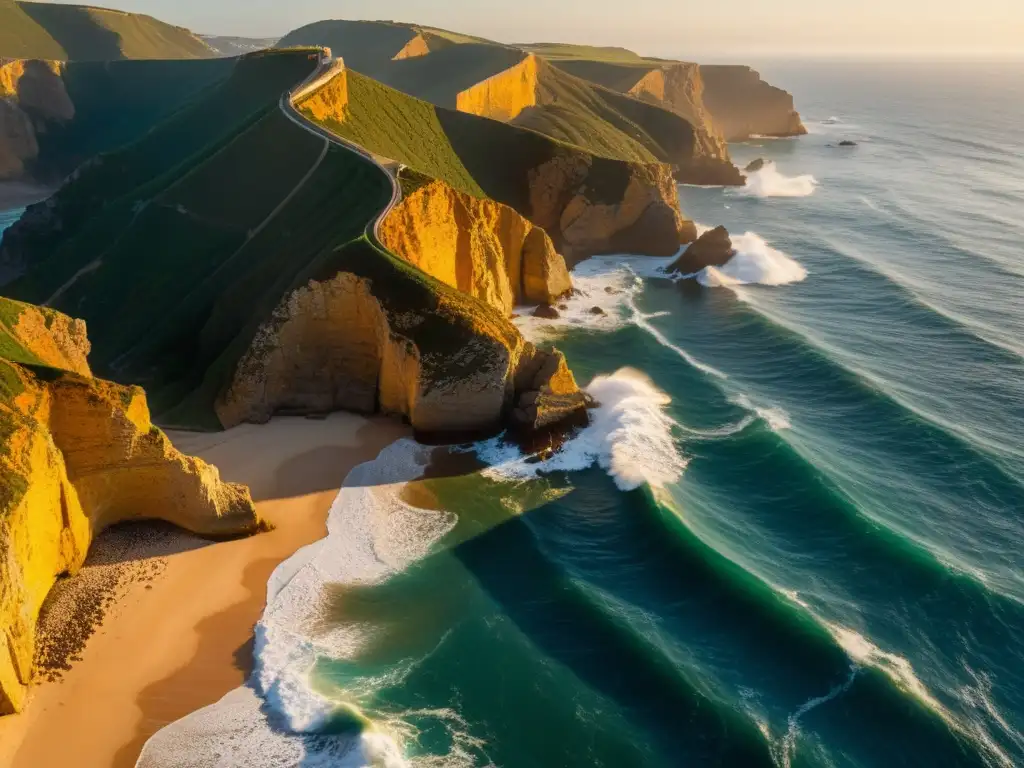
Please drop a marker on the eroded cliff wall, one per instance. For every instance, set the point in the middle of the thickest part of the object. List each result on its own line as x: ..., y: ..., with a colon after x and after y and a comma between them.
x: 32, y: 95
x: 505, y: 95
x: 743, y: 105
x: 78, y: 454
x: 394, y: 342
x: 480, y: 247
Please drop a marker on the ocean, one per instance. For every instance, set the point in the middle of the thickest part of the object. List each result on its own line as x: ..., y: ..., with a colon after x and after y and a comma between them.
x: 791, y: 535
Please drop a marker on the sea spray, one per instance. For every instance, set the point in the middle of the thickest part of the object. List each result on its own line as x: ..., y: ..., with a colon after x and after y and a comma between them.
x: 630, y: 436
x: 769, y: 181
x: 755, y: 262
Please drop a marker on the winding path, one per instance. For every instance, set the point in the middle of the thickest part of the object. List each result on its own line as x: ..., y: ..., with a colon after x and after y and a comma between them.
x: 326, y: 70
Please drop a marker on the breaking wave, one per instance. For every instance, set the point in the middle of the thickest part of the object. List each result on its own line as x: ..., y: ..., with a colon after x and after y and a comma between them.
x: 770, y: 182
x: 755, y: 262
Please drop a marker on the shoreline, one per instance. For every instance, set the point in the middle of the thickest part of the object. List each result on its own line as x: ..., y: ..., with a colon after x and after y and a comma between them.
x: 177, y: 631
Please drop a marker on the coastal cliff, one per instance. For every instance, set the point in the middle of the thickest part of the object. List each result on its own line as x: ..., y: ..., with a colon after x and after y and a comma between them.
x: 79, y: 454
x: 480, y: 247
x: 587, y: 204
x: 743, y: 105
x: 389, y: 341
x: 32, y: 97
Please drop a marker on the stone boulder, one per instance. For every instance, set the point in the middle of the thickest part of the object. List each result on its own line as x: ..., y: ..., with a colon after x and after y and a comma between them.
x: 712, y: 249
x: 755, y: 165
x: 548, y: 395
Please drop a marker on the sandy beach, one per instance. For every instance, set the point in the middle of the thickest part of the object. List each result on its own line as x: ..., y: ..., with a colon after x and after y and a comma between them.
x: 177, y: 625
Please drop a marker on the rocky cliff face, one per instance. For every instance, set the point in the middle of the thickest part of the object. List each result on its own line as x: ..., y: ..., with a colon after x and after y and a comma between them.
x: 480, y: 247
x: 78, y: 454
x: 446, y: 363
x: 680, y: 88
x: 505, y: 95
x: 32, y: 96
x: 743, y: 105
x: 597, y: 206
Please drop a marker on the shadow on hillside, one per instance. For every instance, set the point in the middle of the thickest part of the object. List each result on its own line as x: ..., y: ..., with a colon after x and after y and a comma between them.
x: 76, y: 32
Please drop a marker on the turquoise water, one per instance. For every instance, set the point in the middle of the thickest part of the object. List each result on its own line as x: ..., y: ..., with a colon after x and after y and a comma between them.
x: 9, y: 217
x: 796, y: 542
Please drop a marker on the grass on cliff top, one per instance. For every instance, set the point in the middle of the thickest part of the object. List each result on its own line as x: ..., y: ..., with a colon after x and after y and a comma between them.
x: 592, y: 52
x: 22, y: 37
x: 364, y: 45
x: 11, y: 347
x: 79, y: 32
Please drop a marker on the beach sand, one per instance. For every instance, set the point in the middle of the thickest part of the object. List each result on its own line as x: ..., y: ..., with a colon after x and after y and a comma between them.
x: 178, y: 611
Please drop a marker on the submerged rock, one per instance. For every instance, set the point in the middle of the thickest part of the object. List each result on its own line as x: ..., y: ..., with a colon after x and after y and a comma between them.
x: 712, y: 249
x: 755, y: 165
x: 847, y: 143
x: 547, y: 312
x: 597, y: 311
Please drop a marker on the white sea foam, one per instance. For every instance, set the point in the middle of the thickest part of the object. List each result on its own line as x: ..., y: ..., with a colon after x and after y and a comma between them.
x: 629, y: 436
x: 770, y: 182
x: 755, y: 262
x: 776, y: 418
x: 280, y: 718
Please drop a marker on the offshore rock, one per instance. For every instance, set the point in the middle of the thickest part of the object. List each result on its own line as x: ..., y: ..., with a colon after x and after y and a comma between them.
x: 548, y: 395
x: 712, y: 249
x: 755, y: 165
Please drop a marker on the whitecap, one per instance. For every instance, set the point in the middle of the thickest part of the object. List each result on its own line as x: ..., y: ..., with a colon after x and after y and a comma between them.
x: 630, y: 436
x: 768, y: 181
x: 776, y: 418
x: 755, y: 262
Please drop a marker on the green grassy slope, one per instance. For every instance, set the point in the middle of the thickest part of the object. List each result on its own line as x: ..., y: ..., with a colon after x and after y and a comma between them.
x: 591, y: 52
x: 22, y: 37
x: 116, y: 103
x: 79, y: 32
x: 617, y: 75
x: 366, y: 46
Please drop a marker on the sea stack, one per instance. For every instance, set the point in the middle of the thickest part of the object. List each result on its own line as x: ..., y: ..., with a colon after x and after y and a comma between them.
x: 712, y: 249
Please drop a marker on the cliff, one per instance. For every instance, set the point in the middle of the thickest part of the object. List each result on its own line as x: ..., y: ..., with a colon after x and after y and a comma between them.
x: 587, y: 204
x: 480, y: 247
x: 743, y: 105
x: 596, y: 206
x: 79, y: 454
x: 376, y: 335
x: 32, y: 94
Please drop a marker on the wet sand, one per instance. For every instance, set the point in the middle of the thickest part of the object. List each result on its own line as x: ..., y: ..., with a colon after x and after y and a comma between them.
x: 177, y: 612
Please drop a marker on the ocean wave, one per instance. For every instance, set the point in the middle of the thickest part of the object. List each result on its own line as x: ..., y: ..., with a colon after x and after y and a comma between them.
x: 770, y: 182
x: 776, y: 418
x: 629, y: 436
x: 755, y: 262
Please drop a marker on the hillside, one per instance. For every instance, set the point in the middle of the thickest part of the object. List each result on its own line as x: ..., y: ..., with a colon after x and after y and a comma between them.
x: 226, y: 234
x: 84, y: 33
x: 586, y: 203
x: 55, y: 115
x: 509, y: 84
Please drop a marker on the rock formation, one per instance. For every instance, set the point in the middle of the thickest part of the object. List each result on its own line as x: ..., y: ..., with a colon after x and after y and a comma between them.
x: 445, y: 362
x: 608, y: 207
x: 505, y: 95
x: 712, y: 249
x: 32, y: 95
x: 755, y: 165
x: 79, y: 454
x: 548, y: 394
x: 743, y: 105
x: 480, y: 247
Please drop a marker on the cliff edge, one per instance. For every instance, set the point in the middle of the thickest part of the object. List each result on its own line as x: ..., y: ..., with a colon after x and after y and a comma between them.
x: 78, y: 454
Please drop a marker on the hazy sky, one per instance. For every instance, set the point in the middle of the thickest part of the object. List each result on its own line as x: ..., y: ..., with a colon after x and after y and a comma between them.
x: 655, y: 27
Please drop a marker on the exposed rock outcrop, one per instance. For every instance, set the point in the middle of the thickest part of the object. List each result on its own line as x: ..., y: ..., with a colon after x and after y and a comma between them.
x: 743, y: 105
x: 609, y: 207
x: 32, y: 95
x: 78, y: 454
x: 712, y: 249
x: 505, y: 95
x: 480, y: 247
x: 755, y: 165
x: 548, y: 394
x: 445, y: 362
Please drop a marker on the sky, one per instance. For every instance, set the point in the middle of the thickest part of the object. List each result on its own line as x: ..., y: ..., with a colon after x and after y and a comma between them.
x: 676, y: 28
